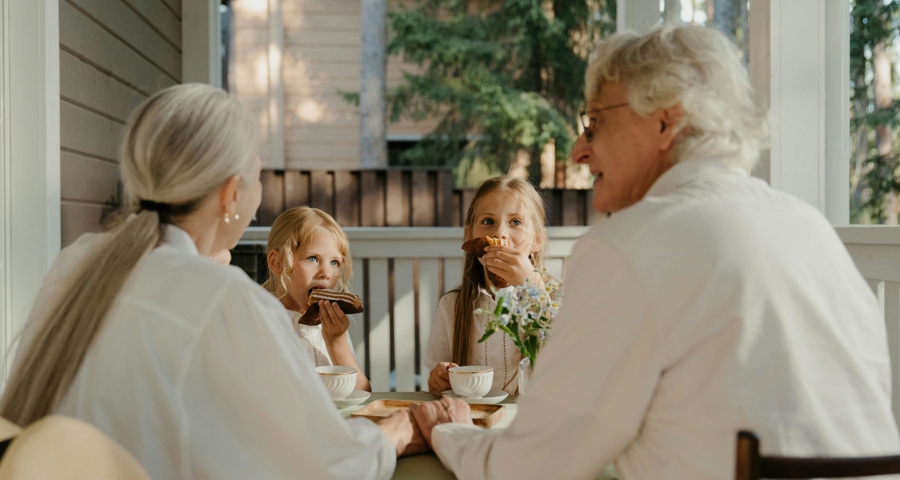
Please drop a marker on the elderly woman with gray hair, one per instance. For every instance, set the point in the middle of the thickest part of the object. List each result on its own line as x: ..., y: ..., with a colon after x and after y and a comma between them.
x: 705, y: 304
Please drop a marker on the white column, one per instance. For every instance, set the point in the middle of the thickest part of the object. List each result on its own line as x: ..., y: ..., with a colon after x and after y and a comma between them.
x: 788, y: 70
x: 29, y: 217
x: 673, y: 12
x: 373, y: 84
x: 837, y: 113
x: 201, y: 35
x: 637, y: 15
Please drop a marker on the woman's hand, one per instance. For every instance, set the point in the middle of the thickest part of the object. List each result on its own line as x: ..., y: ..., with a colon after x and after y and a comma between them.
x: 401, y: 429
x: 446, y: 410
x: 439, y: 379
x: 512, y: 265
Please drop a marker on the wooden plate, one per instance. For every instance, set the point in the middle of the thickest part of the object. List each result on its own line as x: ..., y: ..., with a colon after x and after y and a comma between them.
x: 482, y: 415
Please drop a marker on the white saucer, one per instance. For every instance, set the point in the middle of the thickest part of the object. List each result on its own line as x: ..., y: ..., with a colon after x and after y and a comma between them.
x: 494, y: 396
x: 355, y: 398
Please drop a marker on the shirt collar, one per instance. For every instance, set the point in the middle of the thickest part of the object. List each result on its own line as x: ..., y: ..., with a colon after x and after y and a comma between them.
x: 485, y: 296
x: 687, y: 171
x: 180, y: 240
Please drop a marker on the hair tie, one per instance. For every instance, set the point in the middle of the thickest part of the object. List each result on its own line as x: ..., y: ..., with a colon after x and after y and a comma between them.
x: 151, y: 206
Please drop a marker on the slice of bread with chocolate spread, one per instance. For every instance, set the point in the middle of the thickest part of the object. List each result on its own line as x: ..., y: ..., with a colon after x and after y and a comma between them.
x: 348, y: 303
x: 476, y: 246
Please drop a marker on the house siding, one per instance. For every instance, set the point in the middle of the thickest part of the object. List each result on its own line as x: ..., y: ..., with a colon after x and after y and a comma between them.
x: 321, y: 57
x: 113, y: 55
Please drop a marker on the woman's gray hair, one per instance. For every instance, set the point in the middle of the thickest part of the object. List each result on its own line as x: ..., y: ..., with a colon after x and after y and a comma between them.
x: 182, y: 145
x: 697, y: 67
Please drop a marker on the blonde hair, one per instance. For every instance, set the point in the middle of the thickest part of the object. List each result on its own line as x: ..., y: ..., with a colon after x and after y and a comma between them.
x: 182, y: 145
x: 473, y: 272
x: 296, y: 227
x: 697, y: 67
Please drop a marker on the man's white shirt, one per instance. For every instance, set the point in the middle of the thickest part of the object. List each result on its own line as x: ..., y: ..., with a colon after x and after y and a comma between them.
x: 715, y: 304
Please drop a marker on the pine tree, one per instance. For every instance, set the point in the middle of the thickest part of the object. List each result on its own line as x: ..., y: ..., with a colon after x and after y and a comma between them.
x: 503, y: 77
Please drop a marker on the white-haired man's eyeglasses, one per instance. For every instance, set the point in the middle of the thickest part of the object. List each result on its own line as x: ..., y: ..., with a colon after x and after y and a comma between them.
x: 586, y: 122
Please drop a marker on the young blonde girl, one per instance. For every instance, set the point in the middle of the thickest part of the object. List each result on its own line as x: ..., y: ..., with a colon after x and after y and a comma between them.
x: 511, y: 209
x: 306, y: 250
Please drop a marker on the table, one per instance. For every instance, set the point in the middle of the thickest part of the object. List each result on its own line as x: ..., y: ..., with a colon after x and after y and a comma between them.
x: 426, y: 466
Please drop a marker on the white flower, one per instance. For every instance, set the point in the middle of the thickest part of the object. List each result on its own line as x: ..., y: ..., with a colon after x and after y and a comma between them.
x: 527, y: 308
x: 507, y: 294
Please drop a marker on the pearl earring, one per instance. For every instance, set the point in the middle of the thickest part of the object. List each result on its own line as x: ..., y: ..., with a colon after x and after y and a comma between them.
x: 237, y: 217
x: 227, y: 218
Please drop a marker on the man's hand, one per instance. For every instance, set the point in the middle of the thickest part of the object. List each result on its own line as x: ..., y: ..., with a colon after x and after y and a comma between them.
x: 439, y: 379
x: 446, y: 410
x: 400, y: 429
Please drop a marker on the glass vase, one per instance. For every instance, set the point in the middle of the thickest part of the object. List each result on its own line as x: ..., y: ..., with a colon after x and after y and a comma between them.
x: 524, y: 376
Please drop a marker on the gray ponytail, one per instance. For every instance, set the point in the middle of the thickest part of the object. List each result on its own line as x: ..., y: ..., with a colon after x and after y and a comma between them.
x: 182, y: 144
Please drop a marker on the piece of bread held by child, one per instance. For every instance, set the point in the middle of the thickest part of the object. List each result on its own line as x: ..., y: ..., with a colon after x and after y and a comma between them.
x: 476, y: 246
x: 348, y: 303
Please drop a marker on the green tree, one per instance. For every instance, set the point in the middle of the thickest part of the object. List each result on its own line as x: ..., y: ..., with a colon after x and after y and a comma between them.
x: 503, y: 77
x: 874, y: 112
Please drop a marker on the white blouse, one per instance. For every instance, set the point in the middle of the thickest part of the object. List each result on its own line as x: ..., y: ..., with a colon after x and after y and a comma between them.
x: 198, y: 373
x: 713, y: 305
x: 498, y: 351
x: 314, y: 343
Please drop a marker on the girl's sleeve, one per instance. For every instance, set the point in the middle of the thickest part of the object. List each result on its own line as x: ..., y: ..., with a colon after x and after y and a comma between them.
x: 440, y: 345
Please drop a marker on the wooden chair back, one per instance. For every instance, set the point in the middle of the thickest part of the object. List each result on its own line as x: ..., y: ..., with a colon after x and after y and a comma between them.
x: 750, y: 465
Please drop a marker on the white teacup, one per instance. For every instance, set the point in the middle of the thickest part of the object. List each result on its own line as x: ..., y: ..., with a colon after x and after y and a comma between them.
x: 472, y: 381
x: 339, y: 381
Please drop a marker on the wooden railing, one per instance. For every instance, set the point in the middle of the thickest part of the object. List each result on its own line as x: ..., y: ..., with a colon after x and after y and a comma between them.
x: 401, y: 273
x: 397, y: 198
x: 876, y: 252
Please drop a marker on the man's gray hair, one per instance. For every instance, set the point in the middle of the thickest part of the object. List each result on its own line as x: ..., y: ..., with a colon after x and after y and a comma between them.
x: 697, y: 67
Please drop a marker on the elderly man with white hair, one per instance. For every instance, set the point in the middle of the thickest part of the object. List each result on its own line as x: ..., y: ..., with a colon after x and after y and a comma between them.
x: 706, y: 303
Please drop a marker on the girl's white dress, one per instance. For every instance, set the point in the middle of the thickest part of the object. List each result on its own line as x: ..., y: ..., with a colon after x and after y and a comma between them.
x: 315, y: 342
x: 498, y: 351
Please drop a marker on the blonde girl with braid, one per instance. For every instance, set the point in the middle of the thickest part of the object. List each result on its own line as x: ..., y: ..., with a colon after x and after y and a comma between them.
x: 307, y: 250
x: 512, y: 210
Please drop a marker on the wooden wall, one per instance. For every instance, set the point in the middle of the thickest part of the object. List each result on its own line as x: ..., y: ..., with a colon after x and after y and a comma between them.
x: 321, y: 56
x: 113, y: 55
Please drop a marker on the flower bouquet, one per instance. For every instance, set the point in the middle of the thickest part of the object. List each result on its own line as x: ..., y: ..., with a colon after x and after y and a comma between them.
x: 525, y: 313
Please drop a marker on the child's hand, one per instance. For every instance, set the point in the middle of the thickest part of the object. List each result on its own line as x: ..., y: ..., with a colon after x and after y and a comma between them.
x: 439, y: 379
x: 335, y: 323
x: 512, y: 265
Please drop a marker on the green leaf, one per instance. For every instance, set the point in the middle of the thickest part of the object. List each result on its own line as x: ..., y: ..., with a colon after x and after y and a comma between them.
x: 487, y: 334
x: 499, y: 310
x: 510, y: 71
